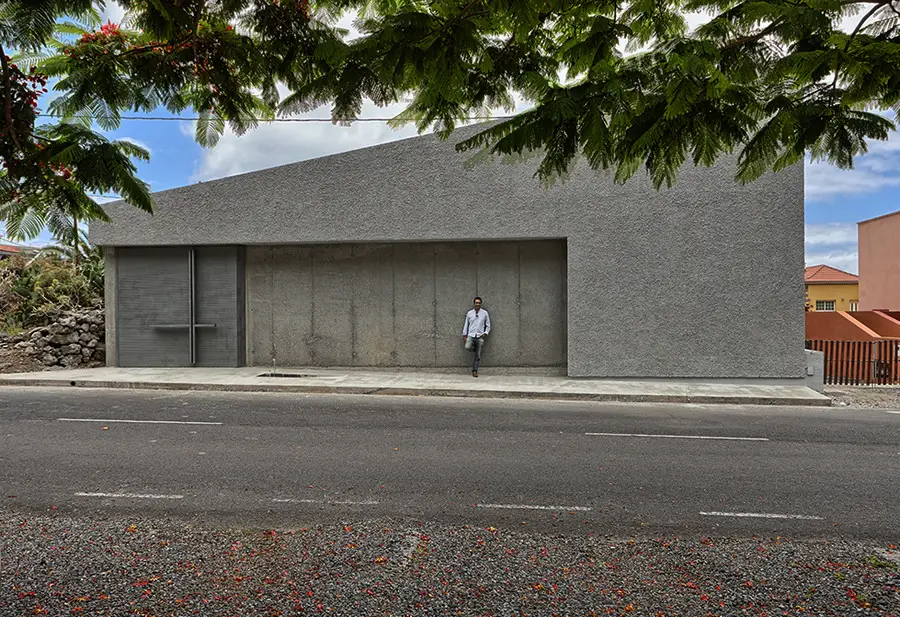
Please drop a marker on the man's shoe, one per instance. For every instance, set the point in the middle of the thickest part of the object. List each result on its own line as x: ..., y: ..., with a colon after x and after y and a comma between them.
x: 474, y: 373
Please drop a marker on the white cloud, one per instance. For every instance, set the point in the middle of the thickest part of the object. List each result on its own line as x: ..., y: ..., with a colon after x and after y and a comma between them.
x: 890, y: 146
x: 280, y: 143
x: 847, y: 260
x: 112, y: 11
x: 825, y: 182
x: 696, y: 19
x: 834, y: 244
x: 876, y: 170
x: 100, y: 199
x: 830, y: 234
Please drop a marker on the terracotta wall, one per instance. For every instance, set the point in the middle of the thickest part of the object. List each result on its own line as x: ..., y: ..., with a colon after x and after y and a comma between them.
x: 881, y: 323
x: 879, y: 263
x: 835, y: 326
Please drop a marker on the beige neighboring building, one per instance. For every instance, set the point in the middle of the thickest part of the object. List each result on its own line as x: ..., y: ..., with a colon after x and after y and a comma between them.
x: 879, y: 263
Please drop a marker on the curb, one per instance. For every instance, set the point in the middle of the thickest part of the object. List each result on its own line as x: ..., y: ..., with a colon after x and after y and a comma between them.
x: 712, y: 399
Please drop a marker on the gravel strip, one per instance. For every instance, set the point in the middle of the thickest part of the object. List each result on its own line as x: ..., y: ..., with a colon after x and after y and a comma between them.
x: 17, y: 361
x: 865, y: 397
x: 57, y: 565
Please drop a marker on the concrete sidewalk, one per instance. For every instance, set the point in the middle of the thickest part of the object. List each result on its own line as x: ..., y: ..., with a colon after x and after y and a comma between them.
x: 430, y: 383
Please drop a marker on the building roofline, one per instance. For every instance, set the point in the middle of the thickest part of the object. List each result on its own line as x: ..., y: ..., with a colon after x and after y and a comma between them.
x: 816, y: 268
x: 883, y: 216
x: 833, y: 282
x: 459, y: 134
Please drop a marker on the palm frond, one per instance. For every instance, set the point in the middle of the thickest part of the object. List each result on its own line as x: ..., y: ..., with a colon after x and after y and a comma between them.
x: 209, y: 129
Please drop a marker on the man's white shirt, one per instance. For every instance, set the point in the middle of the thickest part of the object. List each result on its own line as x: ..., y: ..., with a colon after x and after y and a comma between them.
x: 477, y: 323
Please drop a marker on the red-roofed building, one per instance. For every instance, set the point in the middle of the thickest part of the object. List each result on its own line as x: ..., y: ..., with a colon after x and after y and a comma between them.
x: 830, y: 289
x: 7, y: 250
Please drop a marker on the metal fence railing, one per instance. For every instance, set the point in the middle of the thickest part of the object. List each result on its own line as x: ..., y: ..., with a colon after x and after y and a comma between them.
x: 860, y: 362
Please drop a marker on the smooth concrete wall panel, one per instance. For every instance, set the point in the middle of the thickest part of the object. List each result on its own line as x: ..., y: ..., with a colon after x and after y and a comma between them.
x: 456, y: 277
x: 334, y: 329
x: 404, y: 304
x: 260, y: 302
x: 414, y: 331
x: 498, y: 286
x: 291, y: 279
x: 373, y: 305
x: 703, y: 279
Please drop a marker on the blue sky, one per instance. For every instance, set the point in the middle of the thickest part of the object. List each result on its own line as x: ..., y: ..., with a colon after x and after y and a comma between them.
x: 835, y: 199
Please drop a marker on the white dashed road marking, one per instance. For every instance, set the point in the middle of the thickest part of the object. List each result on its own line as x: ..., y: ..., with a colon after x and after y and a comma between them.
x: 135, y: 421
x: 330, y: 502
x: 801, y: 517
x: 130, y: 495
x: 526, y: 506
x: 678, y: 436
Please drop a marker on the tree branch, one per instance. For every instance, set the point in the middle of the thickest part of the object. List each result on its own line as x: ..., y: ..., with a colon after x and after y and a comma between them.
x: 7, y: 100
x: 753, y: 38
x: 152, y: 46
x: 840, y: 60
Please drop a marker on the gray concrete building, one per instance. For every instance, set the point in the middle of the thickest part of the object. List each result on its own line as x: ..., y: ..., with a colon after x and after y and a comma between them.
x: 371, y: 258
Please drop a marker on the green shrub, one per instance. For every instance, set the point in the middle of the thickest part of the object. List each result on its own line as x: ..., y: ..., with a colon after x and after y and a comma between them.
x: 32, y: 292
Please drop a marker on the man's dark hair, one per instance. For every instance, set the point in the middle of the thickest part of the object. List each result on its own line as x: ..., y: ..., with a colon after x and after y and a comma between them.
x: 479, y: 299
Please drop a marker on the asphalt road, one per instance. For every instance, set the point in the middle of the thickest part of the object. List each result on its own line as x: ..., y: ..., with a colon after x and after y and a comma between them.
x: 287, y: 459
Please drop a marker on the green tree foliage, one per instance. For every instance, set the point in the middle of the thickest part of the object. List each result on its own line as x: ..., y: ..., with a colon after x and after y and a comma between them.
x: 49, y: 169
x: 625, y: 85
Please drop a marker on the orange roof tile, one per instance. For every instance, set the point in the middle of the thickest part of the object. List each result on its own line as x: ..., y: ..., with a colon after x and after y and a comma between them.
x: 827, y: 274
x: 10, y: 249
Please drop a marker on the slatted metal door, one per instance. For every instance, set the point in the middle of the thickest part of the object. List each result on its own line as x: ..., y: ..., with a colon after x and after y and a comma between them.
x: 179, y: 306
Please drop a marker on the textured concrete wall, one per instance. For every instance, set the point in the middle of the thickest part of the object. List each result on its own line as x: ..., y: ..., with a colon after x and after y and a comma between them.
x: 404, y: 304
x: 701, y: 280
x: 110, y: 304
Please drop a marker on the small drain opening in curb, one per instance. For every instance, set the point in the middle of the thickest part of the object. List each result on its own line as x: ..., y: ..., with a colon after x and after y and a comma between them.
x: 271, y: 374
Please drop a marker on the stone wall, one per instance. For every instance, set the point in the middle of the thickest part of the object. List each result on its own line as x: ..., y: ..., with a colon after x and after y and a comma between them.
x: 74, y: 339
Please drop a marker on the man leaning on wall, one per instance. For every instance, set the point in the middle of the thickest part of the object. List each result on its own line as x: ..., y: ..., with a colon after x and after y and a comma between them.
x: 475, y: 331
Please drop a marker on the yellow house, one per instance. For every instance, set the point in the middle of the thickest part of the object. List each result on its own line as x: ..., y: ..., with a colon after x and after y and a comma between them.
x: 830, y: 289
